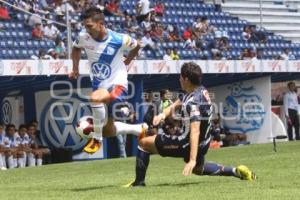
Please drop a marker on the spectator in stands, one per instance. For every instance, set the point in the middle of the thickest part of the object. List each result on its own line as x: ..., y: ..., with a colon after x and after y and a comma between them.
x: 60, y: 48
x: 174, y: 54
x: 247, y: 54
x: 60, y: 19
x: 37, y: 32
x: 52, y: 53
x: 149, y: 43
x: 130, y: 25
x: 191, y: 43
x: 187, y: 33
x: 50, y: 31
x: 113, y: 8
x: 220, y: 46
x: 167, y: 56
x: 159, y: 9
x: 34, y: 19
x: 287, y: 55
x: 4, y: 14
x: 291, y: 106
x: 204, y: 28
x: 146, y: 25
x: 257, y: 35
x: 260, y: 54
x: 41, y: 56
x: 157, y: 32
x: 217, y: 4
x: 143, y: 10
x: 247, y: 33
x: 174, y: 35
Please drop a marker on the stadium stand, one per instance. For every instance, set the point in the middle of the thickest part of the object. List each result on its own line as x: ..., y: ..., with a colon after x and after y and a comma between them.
x: 17, y: 43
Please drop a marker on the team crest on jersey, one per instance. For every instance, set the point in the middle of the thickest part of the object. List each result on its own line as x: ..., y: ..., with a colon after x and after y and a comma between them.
x: 101, y: 71
x: 110, y: 50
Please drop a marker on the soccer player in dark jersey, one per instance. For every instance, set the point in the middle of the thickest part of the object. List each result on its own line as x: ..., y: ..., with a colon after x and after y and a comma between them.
x: 192, y: 141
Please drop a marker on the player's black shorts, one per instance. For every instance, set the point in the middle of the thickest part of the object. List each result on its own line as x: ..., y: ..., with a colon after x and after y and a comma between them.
x: 176, y: 146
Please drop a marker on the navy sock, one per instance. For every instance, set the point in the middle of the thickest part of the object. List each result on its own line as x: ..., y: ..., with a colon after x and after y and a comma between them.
x: 214, y: 169
x: 141, y: 165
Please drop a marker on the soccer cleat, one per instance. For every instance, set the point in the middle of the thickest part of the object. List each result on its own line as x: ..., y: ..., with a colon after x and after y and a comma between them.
x: 245, y: 173
x: 3, y: 168
x: 134, y: 184
x: 144, y: 131
x: 92, y: 146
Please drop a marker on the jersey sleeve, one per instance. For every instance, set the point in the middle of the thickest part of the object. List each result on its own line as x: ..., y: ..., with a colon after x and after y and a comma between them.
x: 129, y: 43
x: 200, y: 107
x: 79, y: 41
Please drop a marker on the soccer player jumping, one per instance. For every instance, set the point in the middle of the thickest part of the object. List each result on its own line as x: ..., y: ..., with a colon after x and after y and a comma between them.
x: 192, y: 141
x: 105, y: 51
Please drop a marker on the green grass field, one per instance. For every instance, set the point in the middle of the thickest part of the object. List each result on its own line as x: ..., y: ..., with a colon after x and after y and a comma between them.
x: 278, y: 178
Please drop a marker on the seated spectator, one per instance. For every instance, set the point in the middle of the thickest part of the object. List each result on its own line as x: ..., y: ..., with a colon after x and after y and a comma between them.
x: 174, y: 35
x: 113, y: 8
x: 50, y: 31
x: 4, y: 14
x: 174, y: 54
x: 41, y: 56
x: 60, y: 48
x: 220, y: 45
x: 247, y: 54
x: 146, y: 25
x: 149, y: 43
x: 191, y: 43
x: 247, y: 33
x: 130, y: 25
x: 258, y: 35
x: 157, y: 32
x: 203, y: 28
x: 260, y: 54
x: 34, y: 19
x: 287, y: 55
x: 159, y: 9
x: 217, y: 4
x: 167, y: 56
x: 187, y: 33
x: 52, y: 54
x: 60, y: 19
x: 37, y: 32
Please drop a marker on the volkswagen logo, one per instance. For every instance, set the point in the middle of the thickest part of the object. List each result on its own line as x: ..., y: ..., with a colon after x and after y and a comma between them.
x: 58, y: 121
x: 6, y: 112
x: 101, y: 71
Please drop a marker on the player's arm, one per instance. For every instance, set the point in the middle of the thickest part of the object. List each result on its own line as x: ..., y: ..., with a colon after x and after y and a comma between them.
x: 132, y: 54
x: 194, y: 142
x: 76, y: 54
x: 166, y: 112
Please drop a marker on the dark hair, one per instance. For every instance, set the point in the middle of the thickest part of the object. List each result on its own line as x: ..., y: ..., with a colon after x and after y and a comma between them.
x: 8, y: 126
x: 192, y: 71
x: 95, y: 13
x: 163, y: 92
x: 290, y: 83
x: 22, y: 126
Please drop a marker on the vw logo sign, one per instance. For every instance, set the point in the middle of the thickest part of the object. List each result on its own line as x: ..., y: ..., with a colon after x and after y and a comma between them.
x: 58, y: 121
x: 1, y: 67
x: 101, y: 71
x: 6, y: 112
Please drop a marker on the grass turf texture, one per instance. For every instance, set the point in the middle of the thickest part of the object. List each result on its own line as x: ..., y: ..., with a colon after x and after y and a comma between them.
x: 278, y: 178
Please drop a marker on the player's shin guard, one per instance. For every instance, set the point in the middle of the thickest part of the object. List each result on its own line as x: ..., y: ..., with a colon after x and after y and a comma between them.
x: 11, y: 163
x: 99, y: 115
x: 123, y: 128
x: 142, y: 162
x: 214, y: 169
x: 39, y: 162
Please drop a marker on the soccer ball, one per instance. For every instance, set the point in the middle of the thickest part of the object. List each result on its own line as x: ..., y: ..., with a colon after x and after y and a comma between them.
x: 85, y: 128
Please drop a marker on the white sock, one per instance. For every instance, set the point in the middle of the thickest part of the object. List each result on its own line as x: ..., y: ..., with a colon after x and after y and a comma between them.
x: 1, y: 161
x: 15, y: 162
x: 4, y: 161
x: 24, y: 159
x: 31, y: 160
x: 21, y: 162
x: 11, y: 163
x: 124, y: 129
x: 39, y: 162
x: 99, y: 120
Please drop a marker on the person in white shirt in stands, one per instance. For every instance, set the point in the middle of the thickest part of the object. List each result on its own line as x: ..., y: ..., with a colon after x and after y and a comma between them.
x: 167, y: 56
x: 50, y: 31
x: 290, y: 103
x: 287, y: 55
x: 143, y: 10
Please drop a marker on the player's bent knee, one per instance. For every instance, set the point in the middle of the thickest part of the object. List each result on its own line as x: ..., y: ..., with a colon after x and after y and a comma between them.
x: 100, y: 96
x: 198, y: 170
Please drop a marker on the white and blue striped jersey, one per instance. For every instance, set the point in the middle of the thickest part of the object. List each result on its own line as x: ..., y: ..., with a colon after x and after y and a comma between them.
x: 23, y: 139
x: 3, y: 140
x: 106, y: 58
x: 13, y: 141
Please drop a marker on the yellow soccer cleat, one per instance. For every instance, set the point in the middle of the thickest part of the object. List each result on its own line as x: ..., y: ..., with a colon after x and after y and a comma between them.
x: 92, y: 146
x: 133, y: 184
x: 245, y: 173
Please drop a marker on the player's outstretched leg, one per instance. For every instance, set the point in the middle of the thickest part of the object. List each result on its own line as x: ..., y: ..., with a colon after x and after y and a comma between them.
x: 214, y: 169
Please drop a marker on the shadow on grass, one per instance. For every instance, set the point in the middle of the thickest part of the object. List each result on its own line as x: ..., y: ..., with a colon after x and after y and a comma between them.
x: 91, y: 188
x: 176, y: 184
